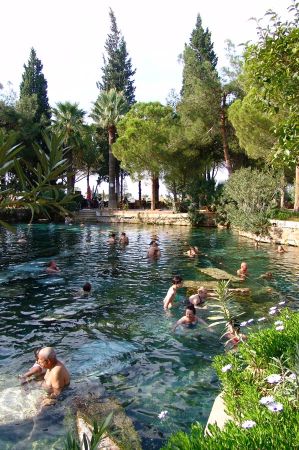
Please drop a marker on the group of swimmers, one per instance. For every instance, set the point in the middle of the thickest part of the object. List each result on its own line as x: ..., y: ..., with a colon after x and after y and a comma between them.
x: 54, y: 374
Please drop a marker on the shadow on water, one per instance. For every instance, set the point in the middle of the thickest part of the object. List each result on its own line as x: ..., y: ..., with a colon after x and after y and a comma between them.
x: 118, y: 342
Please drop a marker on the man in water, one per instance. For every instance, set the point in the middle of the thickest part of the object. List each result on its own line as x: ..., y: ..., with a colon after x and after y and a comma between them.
x: 243, y: 271
x: 56, y: 376
x: 112, y: 238
x: 123, y: 238
x: 177, y: 282
x: 154, y: 251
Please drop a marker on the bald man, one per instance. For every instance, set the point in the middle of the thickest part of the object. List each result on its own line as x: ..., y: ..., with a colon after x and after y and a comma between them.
x: 57, y: 376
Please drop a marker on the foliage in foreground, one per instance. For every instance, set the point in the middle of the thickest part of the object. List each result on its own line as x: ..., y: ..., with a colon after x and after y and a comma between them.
x: 261, y: 393
x: 99, y: 430
x: 35, y: 185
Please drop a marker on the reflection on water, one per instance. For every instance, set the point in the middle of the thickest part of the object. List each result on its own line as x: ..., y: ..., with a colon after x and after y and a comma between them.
x: 118, y: 339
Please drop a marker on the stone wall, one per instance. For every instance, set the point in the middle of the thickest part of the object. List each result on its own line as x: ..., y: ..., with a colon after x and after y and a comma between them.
x: 150, y: 217
x: 281, y: 232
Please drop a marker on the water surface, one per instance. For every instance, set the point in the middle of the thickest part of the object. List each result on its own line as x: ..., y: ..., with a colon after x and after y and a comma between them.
x: 119, y: 342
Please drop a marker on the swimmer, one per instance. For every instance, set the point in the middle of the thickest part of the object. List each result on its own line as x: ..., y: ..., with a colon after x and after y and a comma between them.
x: 35, y: 371
x: 68, y: 220
x: 192, y: 252
x: 267, y: 276
x: 280, y: 249
x: 85, y: 291
x: 52, y: 267
x: 189, y: 320
x: 154, y: 251
x: 123, y: 238
x: 177, y: 282
x: 243, y: 271
x: 22, y: 240
x: 198, y: 299
x: 56, y: 376
x: 233, y: 335
x: 112, y: 238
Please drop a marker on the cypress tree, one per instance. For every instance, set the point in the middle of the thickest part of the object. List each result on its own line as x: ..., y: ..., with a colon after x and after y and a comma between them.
x: 201, y: 44
x: 34, y: 82
x: 117, y: 70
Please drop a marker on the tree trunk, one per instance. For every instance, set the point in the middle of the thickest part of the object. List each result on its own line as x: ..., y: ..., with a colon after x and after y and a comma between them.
x: 117, y: 184
x: 70, y: 173
x: 139, y: 192
x: 224, y: 135
x: 112, y: 161
x: 296, y: 202
x: 155, y: 192
x: 87, y: 179
x: 121, y: 199
x: 282, y: 191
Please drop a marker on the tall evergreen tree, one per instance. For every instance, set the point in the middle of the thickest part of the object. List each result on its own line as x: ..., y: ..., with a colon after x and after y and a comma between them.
x: 117, y: 69
x: 199, y: 108
x: 34, y: 82
x: 201, y: 44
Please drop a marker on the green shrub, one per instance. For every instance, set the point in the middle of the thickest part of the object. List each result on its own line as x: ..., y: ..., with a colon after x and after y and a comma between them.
x: 248, y: 197
x: 279, y: 214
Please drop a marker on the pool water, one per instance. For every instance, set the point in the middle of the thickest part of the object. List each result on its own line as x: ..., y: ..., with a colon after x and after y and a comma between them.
x: 118, y: 342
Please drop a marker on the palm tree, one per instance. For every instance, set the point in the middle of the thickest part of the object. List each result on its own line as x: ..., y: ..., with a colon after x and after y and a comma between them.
x: 68, y: 122
x: 91, y: 156
x: 109, y: 108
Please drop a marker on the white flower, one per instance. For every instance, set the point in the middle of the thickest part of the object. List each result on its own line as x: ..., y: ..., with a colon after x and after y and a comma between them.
x: 266, y: 400
x: 250, y: 321
x: 243, y: 324
x: 281, y: 303
x: 274, y: 378
x: 163, y: 415
x: 279, y: 328
x: 273, y: 311
x: 248, y: 424
x: 273, y: 307
x: 226, y: 368
x: 275, y: 406
x: 278, y: 322
x: 292, y: 377
x: 261, y: 319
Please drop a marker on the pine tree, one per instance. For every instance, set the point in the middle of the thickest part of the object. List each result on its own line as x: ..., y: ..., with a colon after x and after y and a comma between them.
x: 34, y: 83
x: 117, y: 69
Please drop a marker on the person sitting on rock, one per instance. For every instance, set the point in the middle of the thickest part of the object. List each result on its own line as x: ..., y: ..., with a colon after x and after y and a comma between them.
x: 56, y: 377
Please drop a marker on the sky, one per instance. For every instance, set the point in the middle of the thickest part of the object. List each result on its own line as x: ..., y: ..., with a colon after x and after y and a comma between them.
x: 69, y: 38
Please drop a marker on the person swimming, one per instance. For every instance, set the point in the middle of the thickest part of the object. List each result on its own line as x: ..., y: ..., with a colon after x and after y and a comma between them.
x: 189, y: 320
x: 243, y: 271
x: 198, y: 300
x: 52, y: 267
x: 192, y: 252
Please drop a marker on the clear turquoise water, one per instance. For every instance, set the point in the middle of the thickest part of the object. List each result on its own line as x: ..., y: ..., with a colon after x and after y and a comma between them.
x: 118, y: 342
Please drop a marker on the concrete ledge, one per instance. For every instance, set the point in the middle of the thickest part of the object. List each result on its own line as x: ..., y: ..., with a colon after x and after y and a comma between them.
x: 218, y: 415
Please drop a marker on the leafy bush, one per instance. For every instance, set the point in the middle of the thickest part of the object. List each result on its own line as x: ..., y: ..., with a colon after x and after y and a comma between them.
x: 266, y: 366
x: 279, y: 214
x: 196, y: 218
x: 249, y: 196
